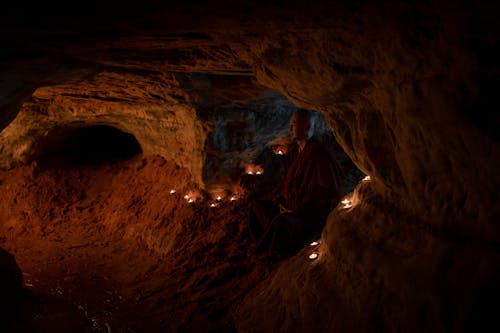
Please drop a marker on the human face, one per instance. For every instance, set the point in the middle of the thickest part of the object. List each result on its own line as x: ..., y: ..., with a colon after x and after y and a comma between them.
x: 299, y: 127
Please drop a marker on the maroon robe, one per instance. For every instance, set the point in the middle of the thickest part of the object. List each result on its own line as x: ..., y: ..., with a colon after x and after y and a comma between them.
x: 311, y: 190
x: 312, y: 180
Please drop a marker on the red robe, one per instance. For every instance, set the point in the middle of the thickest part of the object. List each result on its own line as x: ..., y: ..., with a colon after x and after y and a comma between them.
x: 311, y: 189
x: 312, y: 183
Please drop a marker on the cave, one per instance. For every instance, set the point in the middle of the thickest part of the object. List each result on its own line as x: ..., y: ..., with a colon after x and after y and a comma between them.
x: 131, y: 138
x: 87, y: 145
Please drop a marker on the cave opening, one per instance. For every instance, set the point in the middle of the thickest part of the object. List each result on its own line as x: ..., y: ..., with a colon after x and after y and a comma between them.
x: 89, y: 145
x: 248, y: 144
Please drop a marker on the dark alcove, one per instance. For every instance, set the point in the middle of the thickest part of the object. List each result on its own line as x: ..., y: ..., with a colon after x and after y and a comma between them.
x: 86, y: 145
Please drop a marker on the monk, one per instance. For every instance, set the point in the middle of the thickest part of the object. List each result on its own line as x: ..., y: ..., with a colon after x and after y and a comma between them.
x: 311, y: 189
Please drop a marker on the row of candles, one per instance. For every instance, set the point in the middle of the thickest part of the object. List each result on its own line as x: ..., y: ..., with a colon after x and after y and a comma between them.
x: 346, y: 204
x: 257, y: 169
x: 190, y: 199
x: 251, y: 171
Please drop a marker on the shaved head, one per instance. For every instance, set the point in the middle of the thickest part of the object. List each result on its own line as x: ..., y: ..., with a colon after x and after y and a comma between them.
x: 300, y: 124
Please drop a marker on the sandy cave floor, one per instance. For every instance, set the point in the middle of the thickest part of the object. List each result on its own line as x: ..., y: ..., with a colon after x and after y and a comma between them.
x: 108, y: 248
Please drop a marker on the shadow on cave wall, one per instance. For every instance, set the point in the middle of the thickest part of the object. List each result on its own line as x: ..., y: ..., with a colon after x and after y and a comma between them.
x: 86, y: 146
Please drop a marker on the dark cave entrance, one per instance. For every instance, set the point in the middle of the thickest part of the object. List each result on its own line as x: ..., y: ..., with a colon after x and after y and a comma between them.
x: 86, y: 145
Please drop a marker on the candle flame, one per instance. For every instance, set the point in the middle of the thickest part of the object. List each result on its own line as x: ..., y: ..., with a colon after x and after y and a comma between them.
x: 186, y: 197
x: 172, y: 191
x: 233, y: 198
x: 259, y: 173
x: 313, y: 255
x: 212, y: 205
x: 190, y: 200
x: 314, y: 243
x: 280, y: 152
x: 346, y: 201
x: 250, y: 172
x: 367, y: 178
x: 219, y: 198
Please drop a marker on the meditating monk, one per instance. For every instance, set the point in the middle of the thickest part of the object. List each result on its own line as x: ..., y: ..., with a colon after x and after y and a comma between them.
x: 311, y: 189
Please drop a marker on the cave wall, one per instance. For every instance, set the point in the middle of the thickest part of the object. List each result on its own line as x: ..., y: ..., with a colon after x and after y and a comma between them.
x: 404, y: 87
x: 397, y: 99
x: 137, y: 104
x: 418, y: 250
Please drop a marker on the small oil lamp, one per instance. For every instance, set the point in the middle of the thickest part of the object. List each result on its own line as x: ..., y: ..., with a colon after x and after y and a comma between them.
x: 313, y: 255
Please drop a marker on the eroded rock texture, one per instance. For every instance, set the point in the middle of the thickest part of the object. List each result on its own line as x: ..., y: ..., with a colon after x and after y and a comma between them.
x: 406, y: 88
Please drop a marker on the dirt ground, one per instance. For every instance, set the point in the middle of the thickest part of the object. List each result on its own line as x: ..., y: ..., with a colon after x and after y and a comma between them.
x: 108, y: 248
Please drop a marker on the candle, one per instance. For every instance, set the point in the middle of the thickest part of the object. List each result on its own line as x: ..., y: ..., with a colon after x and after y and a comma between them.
x: 212, y: 205
x: 190, y: 200
x: 250, y: 172
x: 367, y: 178
x: 346, y: 203
x: 280, y: 152
x: 313, y: 255
x: 186, y: 197
x: 219, y: 198
x: 314, y: 243
x: 233, y: 198
x: 259, y: 173
x: 172, y: 191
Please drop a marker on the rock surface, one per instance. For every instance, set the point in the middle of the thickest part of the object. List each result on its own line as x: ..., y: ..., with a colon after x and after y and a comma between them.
x: 406, y: 88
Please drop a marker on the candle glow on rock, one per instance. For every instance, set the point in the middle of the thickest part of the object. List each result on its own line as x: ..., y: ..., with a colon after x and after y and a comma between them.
x: 252, y: 169
x: 347, y: 203
x: 313, y: 256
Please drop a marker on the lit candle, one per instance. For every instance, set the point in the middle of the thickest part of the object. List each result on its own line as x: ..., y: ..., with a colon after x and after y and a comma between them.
x: 367, y: 178
x: 232, y: 198
x: 172, y: 191
x: 186, y: 197
x: 212, y: 205
x: 346, y: 202
x: 280, y: 152
x: 250, y: 172
x: 190, y: 200
x: 313, y: 255
x: 259, y: 173
x: 314, y: 243
x: 219, y: 198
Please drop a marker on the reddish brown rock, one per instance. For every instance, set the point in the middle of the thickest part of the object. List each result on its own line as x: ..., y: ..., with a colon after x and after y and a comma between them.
x: 406, y: 88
